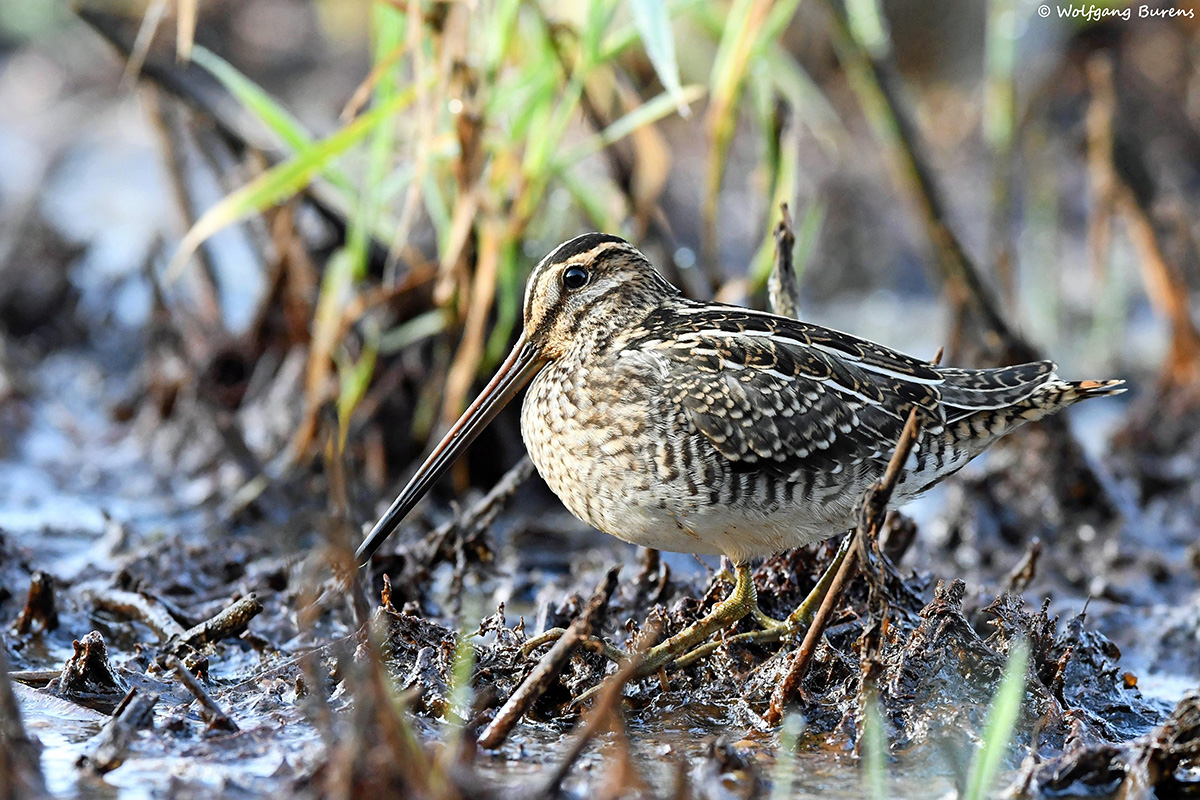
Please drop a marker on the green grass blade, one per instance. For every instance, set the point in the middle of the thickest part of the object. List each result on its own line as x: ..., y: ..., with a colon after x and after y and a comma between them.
x: 461, y: 691
x: 594, y: 204
x: 999, y: 105
x: 866, y: 22
x: 623, y: 38
x: 783, y: 777
x: 653, y: 23
x: 256, y: 100
x: 790, y: 78
x: 1001, y: 722
x: 874, y: 750
x: 437, y: 207
x: 777, y: 20
x: 291, y: 132
x: 282, y: 181
x: 500, y: 32
x: 730, y: 32
x: 646, y: 114
x: 591, y: 37
x: 419, y: 328
x: 546, y: 136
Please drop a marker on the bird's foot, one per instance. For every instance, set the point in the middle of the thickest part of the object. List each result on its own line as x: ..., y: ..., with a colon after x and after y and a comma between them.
x: 689, y: 645
x: 773, y: 630
x: 740, y: 602
x: 593, y: 643
x: 682, y: 647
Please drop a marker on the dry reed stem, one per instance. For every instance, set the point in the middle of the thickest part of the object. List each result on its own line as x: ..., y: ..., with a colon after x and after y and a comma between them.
x: 470, y: 350
x: 783, y: 288
x: 871, y: 510
x: 1165, y: 286
x: 549, y: 667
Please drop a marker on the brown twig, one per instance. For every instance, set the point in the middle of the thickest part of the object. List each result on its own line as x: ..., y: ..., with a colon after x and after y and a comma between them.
x: 783, y: 288
x: 135, y: 713
x: 544, y: 674
x: 603, y: 712
x: 213, y: 714
x: 141, y: 608
x: 231, y: 621
x: 1020, y: 576
x: 871, y: 510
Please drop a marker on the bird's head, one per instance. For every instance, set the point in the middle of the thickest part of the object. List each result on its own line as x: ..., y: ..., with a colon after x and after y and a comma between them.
x: 579, y: 293
x: 587, y: 287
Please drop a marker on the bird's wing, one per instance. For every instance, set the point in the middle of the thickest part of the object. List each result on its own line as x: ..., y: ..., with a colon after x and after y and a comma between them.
x: 777, y: 394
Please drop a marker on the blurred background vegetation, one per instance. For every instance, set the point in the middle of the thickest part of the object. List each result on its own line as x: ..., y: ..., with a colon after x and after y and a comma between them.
x: 369, y: 183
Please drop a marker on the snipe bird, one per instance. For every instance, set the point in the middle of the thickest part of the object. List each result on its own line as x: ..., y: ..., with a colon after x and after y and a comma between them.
x: 713, y: 429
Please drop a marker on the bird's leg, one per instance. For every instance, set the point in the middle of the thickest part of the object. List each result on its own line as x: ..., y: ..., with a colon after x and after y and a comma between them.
x: 741, y: 601
x: 799, y: 619
x: 773, y: 630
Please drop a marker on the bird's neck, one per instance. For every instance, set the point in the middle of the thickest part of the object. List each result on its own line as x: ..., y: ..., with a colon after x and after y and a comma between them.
x: 599, y: 334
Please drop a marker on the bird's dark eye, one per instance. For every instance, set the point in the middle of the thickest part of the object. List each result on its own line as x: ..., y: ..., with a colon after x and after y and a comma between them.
x: 575, y: 277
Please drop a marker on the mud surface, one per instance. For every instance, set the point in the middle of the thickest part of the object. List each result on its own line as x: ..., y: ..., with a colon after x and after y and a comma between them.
x: 150, y: 569
x: 179, y: 609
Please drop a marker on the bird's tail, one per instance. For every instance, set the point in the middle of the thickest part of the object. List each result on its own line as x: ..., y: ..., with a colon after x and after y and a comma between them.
x: 1057, y: 394
x: 1023, y: 391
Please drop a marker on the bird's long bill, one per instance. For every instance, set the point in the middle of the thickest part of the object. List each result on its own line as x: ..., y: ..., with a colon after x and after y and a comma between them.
x: 516, y: 371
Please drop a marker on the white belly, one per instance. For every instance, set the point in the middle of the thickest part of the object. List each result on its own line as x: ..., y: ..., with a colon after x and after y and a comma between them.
x: 723, y: 531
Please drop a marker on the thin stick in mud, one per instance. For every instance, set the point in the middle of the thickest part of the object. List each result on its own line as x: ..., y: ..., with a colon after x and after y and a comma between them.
x: 872, y: 507
x: 213, y: 714
x: 536, y: 683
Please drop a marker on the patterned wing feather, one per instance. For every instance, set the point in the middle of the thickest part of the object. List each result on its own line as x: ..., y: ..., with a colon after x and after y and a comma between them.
x: 967, y: 391
x: 774, y: 394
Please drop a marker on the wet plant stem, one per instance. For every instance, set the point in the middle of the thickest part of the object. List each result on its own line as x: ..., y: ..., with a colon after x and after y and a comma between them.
x: 551, y: 664
x: 872, y: 509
